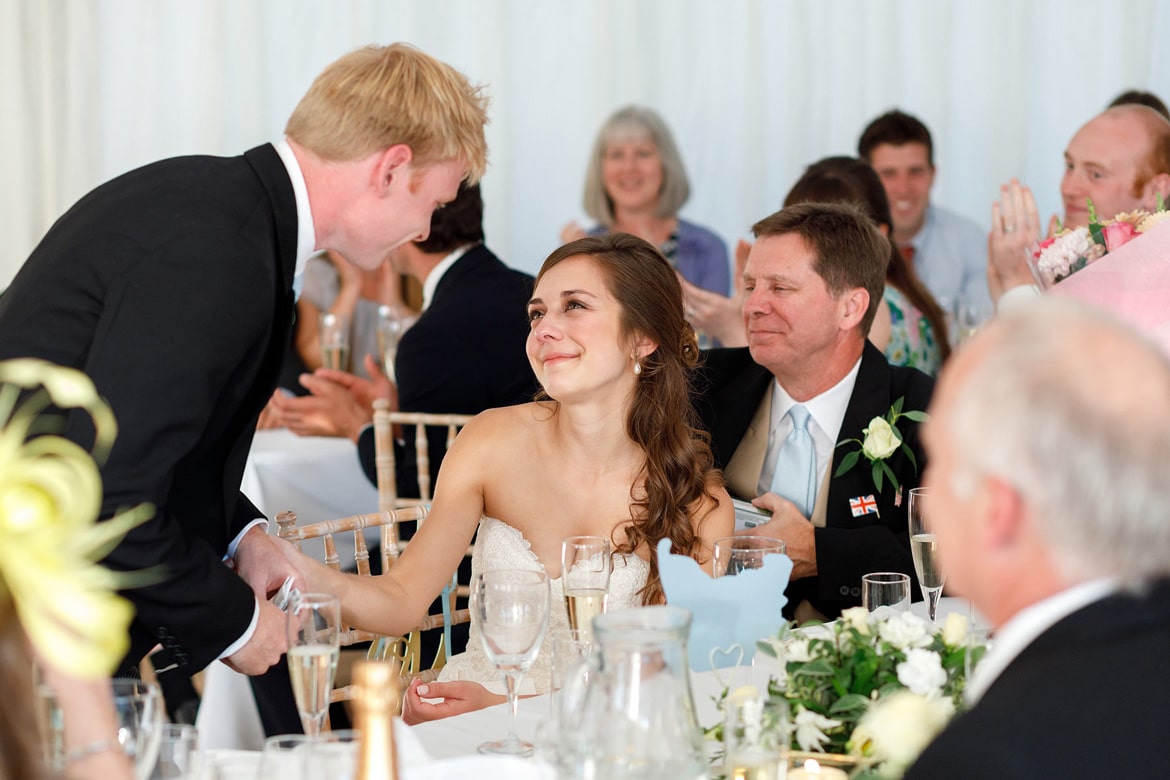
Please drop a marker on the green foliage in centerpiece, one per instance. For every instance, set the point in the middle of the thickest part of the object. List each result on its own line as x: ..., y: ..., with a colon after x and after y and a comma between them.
x: 876, y: 686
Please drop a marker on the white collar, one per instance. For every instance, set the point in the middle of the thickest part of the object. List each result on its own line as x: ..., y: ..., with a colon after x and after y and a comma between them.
x: 431, y: 283
x: 826, y: 409
x: 306, y: 236
x: 1026, y: 626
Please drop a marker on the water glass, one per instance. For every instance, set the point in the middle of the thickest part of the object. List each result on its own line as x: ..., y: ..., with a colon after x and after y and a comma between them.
x: 569, y: 648
x: 176, y: 751
x: 886, y: 589
x: 138, y: 707
x: 285, y: 757
x: 735, y: 554
x: 314, y: 638
x: 333, y: 335
x: 334, y: 755
x: 586, y: 565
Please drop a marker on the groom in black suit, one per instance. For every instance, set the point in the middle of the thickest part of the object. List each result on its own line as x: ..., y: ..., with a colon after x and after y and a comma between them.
x: 1048, y: 501
x: 172, y: 288
x: 814, y: 280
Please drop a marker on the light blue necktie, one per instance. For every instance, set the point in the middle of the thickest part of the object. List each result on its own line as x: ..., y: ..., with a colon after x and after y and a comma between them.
x: 796, y: 468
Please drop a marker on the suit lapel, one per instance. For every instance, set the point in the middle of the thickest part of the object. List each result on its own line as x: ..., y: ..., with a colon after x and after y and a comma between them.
x: 870, y: 398
x: 736, y: 402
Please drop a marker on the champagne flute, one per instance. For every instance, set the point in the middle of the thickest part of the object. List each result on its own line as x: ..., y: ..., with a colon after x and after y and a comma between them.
x: 586, y: 563
x: 333, y: 333
x: 924, y: 548
x: 314, y: 625
x: 511, y: 608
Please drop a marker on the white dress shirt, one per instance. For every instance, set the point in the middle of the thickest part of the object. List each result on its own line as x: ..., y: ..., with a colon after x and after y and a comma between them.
x: 306, y: 246
x: 826, y: 413
x: 431, y: 283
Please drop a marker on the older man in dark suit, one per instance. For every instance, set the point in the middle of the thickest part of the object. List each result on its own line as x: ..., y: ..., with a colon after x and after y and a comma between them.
x: 1048, y: 501
x: 783, y: 412
x: 172, y: 288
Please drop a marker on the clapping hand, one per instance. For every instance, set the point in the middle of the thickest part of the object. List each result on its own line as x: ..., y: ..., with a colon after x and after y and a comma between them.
x: 1015, y: 229
x: 720, y: 316
x: 339, y: 403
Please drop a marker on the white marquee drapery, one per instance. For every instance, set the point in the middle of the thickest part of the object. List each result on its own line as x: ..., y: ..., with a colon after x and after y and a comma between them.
x: 753, y: 89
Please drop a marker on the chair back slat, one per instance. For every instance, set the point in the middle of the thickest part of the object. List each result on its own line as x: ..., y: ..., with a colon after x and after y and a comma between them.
x: 407, y: 649
x: 385, y: 463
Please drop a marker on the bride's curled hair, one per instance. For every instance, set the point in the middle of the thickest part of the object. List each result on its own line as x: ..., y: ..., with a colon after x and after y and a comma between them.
x: 678, y: 471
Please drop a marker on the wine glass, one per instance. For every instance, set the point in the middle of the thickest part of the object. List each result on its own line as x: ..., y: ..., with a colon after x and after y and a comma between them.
x: 314, y: 625
x: 391, y: 325
x: 176, y: 754
x: 511, y: 607
x: 734, y: 554
x: 586, y: 563
x: 924, y: 548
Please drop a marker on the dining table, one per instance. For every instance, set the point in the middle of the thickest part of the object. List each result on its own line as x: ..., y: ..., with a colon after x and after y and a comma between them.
x: 460, y: 735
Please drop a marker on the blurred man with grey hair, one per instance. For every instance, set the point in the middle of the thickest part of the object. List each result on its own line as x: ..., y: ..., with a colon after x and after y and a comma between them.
x: 1048, y: 443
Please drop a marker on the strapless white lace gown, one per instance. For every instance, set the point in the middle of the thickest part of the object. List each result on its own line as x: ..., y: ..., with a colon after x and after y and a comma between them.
x: 500, y: 546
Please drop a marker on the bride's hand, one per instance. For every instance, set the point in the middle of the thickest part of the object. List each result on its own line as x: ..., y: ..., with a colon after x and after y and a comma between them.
x: 311, y: 570
x: 458, y: 697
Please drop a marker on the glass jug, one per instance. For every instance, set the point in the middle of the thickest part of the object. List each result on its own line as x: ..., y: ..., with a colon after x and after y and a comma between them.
x: 628, y: 711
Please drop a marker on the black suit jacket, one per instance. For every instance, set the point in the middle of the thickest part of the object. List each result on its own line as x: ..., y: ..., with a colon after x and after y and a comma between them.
x: 1087, y: 698
x: 170, y: 286
x: 731, y: 387
x: 463, y: 355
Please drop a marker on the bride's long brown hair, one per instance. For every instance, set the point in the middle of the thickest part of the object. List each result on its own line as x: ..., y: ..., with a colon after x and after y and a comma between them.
x: 678, y: 471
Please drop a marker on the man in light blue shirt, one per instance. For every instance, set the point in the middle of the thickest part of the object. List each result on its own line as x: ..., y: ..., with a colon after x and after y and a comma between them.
x: 948, y: 251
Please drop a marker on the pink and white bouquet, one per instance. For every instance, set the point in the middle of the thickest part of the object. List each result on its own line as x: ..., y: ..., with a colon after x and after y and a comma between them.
x: 1069, y: 251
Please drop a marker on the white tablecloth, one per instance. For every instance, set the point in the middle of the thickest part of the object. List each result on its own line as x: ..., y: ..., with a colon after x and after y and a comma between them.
x: 460, y: 735
x: 319, y: 478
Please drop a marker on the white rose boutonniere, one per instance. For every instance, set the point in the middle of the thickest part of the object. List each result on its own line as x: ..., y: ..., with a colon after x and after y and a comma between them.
x: 882, y: 439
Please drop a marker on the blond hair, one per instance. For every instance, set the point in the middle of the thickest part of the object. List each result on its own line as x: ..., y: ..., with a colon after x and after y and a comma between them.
x: 380, y: 96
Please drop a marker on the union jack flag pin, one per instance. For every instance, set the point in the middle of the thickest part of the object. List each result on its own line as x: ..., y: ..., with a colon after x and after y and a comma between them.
x: 863, y: 505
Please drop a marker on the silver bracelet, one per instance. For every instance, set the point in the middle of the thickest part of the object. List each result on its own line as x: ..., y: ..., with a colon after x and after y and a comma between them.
x: 92, y: 749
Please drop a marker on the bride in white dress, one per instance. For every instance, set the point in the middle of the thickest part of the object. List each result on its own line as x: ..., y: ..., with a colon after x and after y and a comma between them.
x: 609, y: 449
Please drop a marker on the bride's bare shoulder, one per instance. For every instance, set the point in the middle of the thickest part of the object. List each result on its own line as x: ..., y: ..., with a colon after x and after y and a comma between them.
x: 509, y: 421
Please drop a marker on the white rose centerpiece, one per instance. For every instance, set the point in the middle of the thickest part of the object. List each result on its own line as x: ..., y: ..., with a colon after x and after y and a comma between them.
x: 875, y: 686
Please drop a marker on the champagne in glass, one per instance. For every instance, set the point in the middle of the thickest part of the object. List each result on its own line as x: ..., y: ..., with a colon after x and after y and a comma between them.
x: 314, y: 626
x: 924, y: 549
x: 511, y: 608
x: 333, y: 336
x: 586, y: 563
x: 335, y: 356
